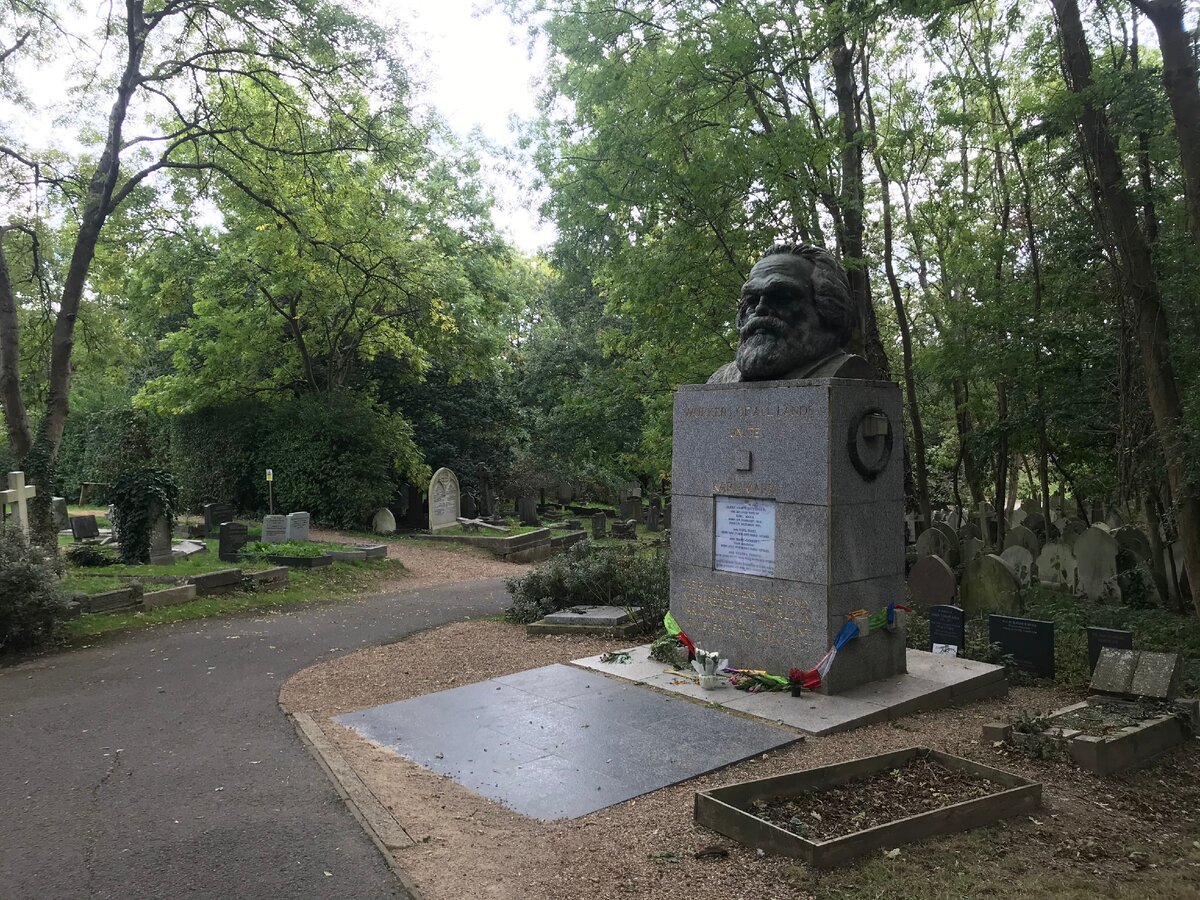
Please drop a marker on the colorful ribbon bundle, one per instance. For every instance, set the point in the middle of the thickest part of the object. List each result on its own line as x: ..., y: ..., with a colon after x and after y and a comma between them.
x: 758, y: 680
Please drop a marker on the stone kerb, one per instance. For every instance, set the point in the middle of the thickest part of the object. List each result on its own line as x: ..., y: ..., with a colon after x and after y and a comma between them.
x: 788, y: 515
x: 445, y: 500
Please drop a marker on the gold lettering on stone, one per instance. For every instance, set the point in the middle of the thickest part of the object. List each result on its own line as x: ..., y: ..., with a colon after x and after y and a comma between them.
x: 748, y: 431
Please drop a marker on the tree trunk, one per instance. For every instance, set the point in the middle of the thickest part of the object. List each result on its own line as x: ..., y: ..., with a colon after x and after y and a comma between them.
x: 845, y: 89
x: 1121, y: 217
x: 1179, y: 77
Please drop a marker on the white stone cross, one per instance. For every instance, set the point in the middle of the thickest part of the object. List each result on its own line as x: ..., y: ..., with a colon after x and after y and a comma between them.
x: 18, y: 494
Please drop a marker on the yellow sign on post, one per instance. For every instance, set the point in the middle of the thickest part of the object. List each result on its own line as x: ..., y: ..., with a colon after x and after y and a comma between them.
x: 270, y: 475
x: 270, y: 492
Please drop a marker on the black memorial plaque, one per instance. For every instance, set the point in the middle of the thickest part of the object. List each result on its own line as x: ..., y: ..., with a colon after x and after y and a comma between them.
x: 947, y: 628
x: 1099, y: 638
x: 84, y: 528
x: 1030, y: 642
x: 214, y: 515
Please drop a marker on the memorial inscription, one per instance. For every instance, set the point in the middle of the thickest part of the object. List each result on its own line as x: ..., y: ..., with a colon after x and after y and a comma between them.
x: 744, y: 536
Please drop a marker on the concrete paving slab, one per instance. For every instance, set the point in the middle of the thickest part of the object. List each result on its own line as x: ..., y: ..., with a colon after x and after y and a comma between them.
x: 561, y: 741
x: 932, y: 682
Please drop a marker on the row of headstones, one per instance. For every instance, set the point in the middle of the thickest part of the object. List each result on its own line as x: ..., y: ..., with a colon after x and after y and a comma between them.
x: 1084, y: 562
x: 1029, y: 642
x: 1028, y: 515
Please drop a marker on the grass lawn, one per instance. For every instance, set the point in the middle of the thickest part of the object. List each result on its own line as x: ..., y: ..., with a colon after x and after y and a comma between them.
x: 340, y: 581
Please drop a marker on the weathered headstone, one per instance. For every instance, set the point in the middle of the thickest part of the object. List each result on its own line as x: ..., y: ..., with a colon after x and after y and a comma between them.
x: 652, y: 518
x: 1136, y: 673
x: 232, y: 538
x: 626, y: 530
x: 666, y: 519
x: 1056, y: 565
x: 445, y: 500
x: 527, y: 511
x: 383, y: 522
x: 631, y: 508
x: 932, y: 542
x: 1020, y: 561
x: 1036, y: 523
x: 970, y: 530
x: 1099, y: 638
x: 1017, y: 517
x: 214, y: 515
x: 1134, y: 541
x: 84, y: 528
x: 947, y: 630
x: 931, y: 582
x: 274, y: 529
x: 160, y: 539
x: 1072, y: 530
x: 487, y: 506
x: 968, y: 549
x: 1030, y: 642
x: 1020, y: 536
x: 952, y: 540
x: 62, y: 518
x: 470, y: 510
x: 989, y: 586
x: 297, y: 526
x: 1096, y: 561
x: 599, y: 521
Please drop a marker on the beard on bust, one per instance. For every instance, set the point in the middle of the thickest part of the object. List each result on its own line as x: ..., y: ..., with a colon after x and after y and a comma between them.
x: 770, y: 348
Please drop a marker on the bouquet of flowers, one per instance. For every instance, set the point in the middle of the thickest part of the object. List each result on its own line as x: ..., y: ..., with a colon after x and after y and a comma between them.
x: 707, y: 664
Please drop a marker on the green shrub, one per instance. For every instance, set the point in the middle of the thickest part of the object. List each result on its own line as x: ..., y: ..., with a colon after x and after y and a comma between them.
x: 31, y: 601
x: 590, y: 575
x: 89, y: 556
x: 139, y: 496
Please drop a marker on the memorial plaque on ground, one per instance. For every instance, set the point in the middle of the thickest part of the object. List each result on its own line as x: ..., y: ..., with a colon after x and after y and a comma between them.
x: 1030, y: 642
x: 788, y: 514
x: 947, y: 630
x: 1136, y: 673
x: 274, y: 529
x: 1099, y: 638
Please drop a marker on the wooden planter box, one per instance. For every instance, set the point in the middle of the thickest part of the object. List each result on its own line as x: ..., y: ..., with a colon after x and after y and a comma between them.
x: 300, y: 562
x: 1132, y: 747
x: 724, y: 809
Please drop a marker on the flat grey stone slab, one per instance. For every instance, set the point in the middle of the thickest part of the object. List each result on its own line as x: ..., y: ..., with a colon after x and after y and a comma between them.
x: 1136, y: 673
x: 561, y: 742
x: 931, y: 682
x: 591, y: 615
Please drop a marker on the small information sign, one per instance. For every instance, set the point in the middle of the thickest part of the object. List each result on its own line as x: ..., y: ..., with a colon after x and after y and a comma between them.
x: 744, y: 538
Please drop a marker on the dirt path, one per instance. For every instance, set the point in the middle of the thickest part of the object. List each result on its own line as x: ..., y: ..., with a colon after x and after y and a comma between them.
x: 428, y: 566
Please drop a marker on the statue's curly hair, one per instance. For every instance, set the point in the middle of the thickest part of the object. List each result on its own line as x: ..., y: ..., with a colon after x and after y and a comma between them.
x: 831, y: 288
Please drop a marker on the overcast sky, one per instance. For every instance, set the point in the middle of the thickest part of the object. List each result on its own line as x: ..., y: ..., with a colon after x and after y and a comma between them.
x: 477, y: 72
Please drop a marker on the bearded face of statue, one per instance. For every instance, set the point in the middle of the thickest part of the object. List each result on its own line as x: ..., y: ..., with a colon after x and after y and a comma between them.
x: 778, y: 325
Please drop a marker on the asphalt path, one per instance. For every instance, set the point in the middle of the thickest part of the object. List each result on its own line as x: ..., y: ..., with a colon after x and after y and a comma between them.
x: 158, y: 763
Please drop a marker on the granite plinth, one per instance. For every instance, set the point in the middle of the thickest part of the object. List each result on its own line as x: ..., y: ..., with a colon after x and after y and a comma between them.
x: 931, y: 682
x: 558, y: 742
x: 817, y: 465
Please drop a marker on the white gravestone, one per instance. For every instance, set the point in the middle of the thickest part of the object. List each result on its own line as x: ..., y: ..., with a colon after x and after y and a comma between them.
x: 297, y: 526
x: 1020, y: 560
x: 1056, y: 565
x: 445, y: 500
x: 274, y: 529
x: 1096, y: 558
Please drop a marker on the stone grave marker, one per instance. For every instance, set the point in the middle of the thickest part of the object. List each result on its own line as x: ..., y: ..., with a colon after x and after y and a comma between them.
x: 233, y: 537
x: 666, y: 517
x: 599, y: 521
x: 160, y: 540
x: 652, y: 518
x: 1134, y: 541
x: 954, y: 519
x: 1114, y: 520
x: 1099, y: 638
x: 989, y: 586
x: 62, y: 518
x: 1020, y: 536
x: 487, y: 505
x: 1017, y: 517
x: 970, y: 530
x: 470, y: 510
x: 274, y: 529
x: 952, y: 541
x: 947, y: 630
x: 910, y: 528
x: 1030, y: 642
x: 932, y: 542
x: 527, y: 511
x: 788, y: 515
x: 1056, y: 565
x: 297, y: 526
x: 84, y: 528
x: 214, y: 515
x: 1036, y: 523
x: 631, y: 508
x: 1136, y: 673
x: 626, y: 530
x: 17, y: 496
x: 383, y: 522
x: 1072, y: 530
x: 445, y: 500
x: 968, y: 549
x: 1096, y: 561
x: 931, y: 582
x: 1020, y: 561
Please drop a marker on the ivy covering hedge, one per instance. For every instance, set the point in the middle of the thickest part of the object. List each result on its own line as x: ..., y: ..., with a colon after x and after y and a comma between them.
x: 338, y: 456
